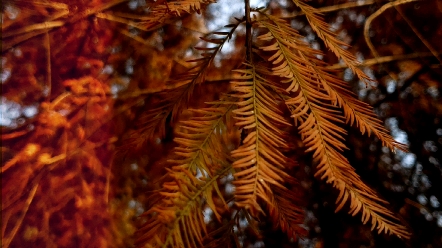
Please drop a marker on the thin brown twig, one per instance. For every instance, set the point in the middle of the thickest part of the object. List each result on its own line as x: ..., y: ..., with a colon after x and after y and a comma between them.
x: 418, y: 34
x: 336, y: 7
x: 6, y: 215
x: 114, y: 18
x: 33, y: 30
x: 7, y: 241
x: 370, y: 20
x: 55, y: 5
x: 33, y: 27
x: 96, y: 10
x: 13, y: 135
x: 385, y: 59
x: 19, y: 39
x: 63, y: 10
x: 170, y: 87
x: 49, y: 66
x: 374, y: 16
x: 248, y: 32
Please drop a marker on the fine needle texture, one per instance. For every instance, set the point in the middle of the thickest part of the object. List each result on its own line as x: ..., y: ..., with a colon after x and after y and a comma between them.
x: 283, y: 72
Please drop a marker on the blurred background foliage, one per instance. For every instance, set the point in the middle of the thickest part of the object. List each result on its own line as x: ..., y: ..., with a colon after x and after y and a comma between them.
x: 77, y: 78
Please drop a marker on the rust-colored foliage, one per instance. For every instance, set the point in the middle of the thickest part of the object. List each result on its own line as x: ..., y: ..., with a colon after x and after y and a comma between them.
x: 56, y: 159
x: 95, y: 91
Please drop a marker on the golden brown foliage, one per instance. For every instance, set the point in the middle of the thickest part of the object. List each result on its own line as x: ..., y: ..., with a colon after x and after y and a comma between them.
x: 233, y: 163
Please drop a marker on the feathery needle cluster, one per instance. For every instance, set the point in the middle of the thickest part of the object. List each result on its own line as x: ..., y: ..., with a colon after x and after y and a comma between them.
x: 283, y: 72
